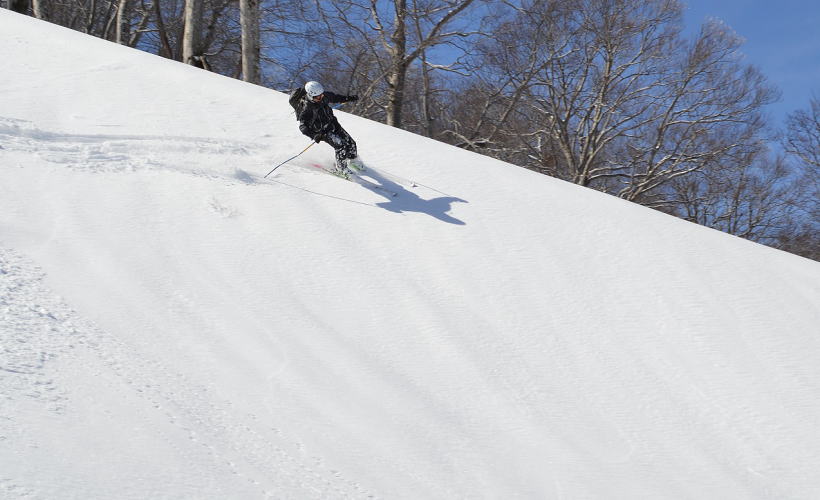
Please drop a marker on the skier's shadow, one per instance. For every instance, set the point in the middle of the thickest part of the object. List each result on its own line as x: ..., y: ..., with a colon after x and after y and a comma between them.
x: 408, y: 201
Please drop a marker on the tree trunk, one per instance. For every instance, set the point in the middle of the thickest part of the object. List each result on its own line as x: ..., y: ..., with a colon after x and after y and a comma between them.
x: 38, y: 9
x: 123, y: 34
x: 249, y: 19
x: 191, y: 49
x: 166, y: 50
x: 426, y: 97
x: 398, y: 74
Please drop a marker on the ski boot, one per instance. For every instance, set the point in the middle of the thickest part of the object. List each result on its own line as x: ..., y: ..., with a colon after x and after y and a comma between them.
x: 341, y: 170
x: 355, y: 164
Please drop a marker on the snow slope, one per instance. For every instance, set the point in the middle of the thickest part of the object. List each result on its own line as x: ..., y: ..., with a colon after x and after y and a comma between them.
x: 173, y: 326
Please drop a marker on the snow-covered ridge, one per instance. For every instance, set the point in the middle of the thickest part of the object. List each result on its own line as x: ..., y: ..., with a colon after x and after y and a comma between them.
x: 174, y: 326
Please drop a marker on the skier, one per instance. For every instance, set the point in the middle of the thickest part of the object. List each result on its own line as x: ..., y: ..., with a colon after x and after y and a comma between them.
x: 316, y: 121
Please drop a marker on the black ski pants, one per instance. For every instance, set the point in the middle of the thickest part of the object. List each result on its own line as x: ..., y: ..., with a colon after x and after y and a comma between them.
x: 341, y: 141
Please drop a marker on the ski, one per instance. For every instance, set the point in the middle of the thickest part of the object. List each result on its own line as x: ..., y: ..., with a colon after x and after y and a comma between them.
x: 354, y: 177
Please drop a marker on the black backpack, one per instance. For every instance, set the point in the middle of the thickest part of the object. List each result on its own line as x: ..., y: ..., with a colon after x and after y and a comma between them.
x: 296, y: 101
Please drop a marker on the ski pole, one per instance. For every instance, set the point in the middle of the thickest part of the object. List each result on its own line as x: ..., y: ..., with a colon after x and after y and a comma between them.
x: 289, y: 159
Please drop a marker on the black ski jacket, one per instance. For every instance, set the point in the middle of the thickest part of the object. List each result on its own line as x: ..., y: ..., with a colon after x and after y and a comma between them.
x: 316, y: 117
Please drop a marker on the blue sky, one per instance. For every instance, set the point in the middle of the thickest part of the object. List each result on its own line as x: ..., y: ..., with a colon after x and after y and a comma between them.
x: 782, y: 39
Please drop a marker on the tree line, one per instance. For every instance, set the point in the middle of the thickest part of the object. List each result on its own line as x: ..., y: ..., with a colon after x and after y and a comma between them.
x: 609, y: 94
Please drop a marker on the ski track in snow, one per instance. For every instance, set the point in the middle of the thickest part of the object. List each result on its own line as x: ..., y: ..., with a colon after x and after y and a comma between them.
x: 35, y: 329
x: 43, y: 341
x: 121, y: 153
x: 103, y: 153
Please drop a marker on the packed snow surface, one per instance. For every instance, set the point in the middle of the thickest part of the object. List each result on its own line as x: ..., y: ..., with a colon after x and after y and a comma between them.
x: 172, y: 325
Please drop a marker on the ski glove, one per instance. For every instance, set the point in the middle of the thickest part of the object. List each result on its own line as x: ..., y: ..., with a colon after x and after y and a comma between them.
x: 352, y: 98
x: 318, y: 137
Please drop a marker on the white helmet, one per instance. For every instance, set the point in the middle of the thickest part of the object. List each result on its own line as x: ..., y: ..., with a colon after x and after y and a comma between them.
x: 314, y: 89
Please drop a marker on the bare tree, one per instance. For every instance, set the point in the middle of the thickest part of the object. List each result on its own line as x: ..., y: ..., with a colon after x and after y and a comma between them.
x: 404, y: 49
x: 164, y: 47
x: 710, y: 109
x: 803, y: 138
x: 249, y: 19
x: 802, y: 141
x: 381, y: 41
x: 121, y: 21
x: 754, y: 195
x: 612, y: 97
x: 214, y: 45
x: 803, y: 241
